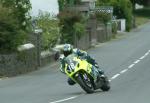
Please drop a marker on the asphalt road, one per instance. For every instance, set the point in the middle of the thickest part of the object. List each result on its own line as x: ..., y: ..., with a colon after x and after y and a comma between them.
x: 126, y: 61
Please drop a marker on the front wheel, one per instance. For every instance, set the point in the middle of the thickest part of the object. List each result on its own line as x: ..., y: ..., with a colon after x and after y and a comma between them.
x: 106, y: 85
x: 85, y: 82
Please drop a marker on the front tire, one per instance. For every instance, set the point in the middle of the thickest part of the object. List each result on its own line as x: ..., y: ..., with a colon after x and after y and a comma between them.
x: 83, y: 84
x: 106, y: 85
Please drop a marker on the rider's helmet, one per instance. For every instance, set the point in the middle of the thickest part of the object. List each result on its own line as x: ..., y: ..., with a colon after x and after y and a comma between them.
x: 67, y: 49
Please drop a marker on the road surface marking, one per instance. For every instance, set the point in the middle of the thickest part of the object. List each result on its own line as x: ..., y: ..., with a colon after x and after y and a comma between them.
x: 142, y: 57
x: 131, y: 66
x: 62, y: 100
x: 146, y: 54
x: 123, y: 71
x: 137, y: 61
x: 115, y: 76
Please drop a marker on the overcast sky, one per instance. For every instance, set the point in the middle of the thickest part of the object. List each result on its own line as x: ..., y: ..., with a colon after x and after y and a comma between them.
x: 44, y: 5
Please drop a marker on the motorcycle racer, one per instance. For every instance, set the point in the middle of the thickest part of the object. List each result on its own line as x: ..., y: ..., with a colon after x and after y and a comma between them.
x: 68, y: 49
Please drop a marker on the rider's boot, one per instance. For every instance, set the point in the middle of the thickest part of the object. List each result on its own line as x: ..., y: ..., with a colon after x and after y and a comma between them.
x: 101, y: 72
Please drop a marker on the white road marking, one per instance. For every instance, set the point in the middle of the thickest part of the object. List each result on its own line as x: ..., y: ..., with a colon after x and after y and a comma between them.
x: 137, y: 61
x: 115, y: 76
x: 62, y: 100
x: 146, y: 54
x: 142, y: 57
x: 123, y: 71
x: 131, y: 66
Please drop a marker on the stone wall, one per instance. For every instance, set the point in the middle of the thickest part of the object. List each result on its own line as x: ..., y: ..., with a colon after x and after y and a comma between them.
x: 93, y: 26
x: 104, y: 32
x: 23, y: 62
x: 101, y: 37
x: 48, y: 57
x: 17, y: 63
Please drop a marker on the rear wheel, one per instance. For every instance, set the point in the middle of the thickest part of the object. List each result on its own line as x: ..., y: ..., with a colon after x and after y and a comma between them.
x: 85, y: 82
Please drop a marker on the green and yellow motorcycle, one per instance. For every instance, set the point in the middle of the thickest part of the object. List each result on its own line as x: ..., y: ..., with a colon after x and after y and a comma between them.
x: 81, y: 72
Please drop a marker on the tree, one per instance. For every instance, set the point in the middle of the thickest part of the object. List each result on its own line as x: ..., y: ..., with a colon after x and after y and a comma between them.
x: 68, y: 19
x: 123, y: 9
x: 102, y: 2
x: 49, y: 24
x: 64, y: 3
x: 20, y: 9
x: 10, y: 33
x: 14, y: 23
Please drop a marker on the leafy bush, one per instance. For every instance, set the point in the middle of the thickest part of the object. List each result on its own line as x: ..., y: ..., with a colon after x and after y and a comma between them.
x: 71, y: 22
x: 103, y: 17
x: 144, y: 12
x: 123, y: 9
x: 49, y: 24
x: 79, y: 29
x: 10, y: 34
